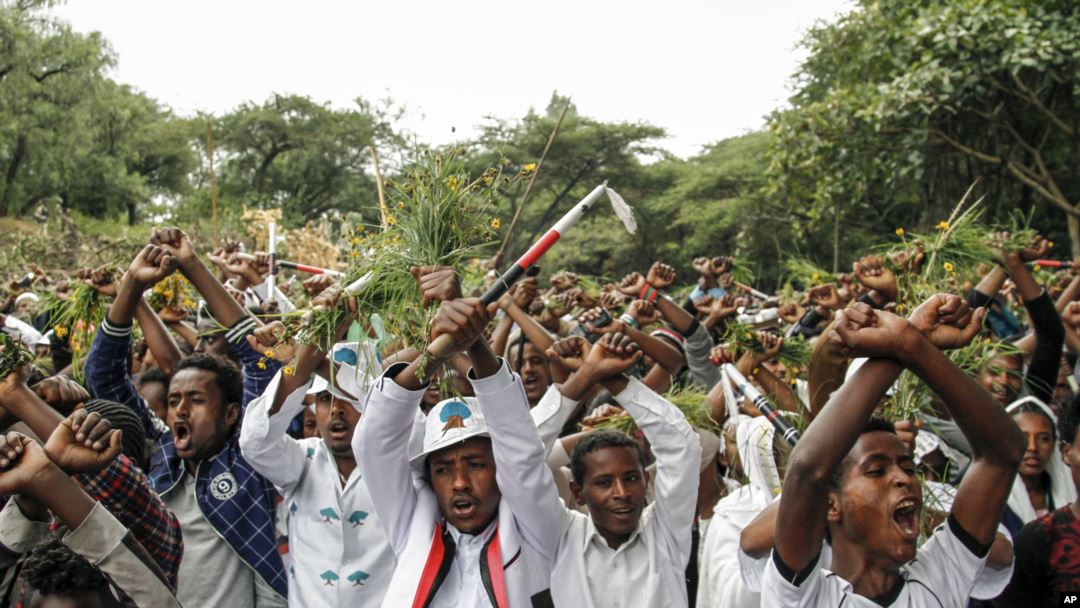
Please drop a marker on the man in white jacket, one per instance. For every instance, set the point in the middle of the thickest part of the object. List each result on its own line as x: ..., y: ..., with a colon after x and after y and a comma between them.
x: 338, y: 552
x: 473, y: 518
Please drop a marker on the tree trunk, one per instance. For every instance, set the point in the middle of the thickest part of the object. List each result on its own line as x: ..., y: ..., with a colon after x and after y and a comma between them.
x: 836, y: 239
x: 9, y: 176
x: 132, y: 217
x: 1074, y: 234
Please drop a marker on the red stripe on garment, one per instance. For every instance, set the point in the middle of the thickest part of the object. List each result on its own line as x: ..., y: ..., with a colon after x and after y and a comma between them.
x: 539, y: 249
x: 431, y: 570
x: 495, y: 571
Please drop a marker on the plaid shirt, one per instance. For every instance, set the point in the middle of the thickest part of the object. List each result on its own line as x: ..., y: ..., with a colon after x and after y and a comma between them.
x: 238, y: 502
x: 124, y: 490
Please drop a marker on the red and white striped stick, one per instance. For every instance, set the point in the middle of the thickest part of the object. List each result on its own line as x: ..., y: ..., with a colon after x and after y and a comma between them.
x: 441, y: 345
x: 296, y: 266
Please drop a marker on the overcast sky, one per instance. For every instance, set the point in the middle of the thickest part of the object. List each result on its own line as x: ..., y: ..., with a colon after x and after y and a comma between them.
x: 703, y: 70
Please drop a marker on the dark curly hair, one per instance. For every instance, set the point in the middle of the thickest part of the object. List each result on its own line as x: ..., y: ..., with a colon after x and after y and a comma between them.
x: 227, y: 376
x: 606, y: 438
x: 1069, y: 419
x: 54, y: 569
x: 120, y: 416
x: 875, y: 424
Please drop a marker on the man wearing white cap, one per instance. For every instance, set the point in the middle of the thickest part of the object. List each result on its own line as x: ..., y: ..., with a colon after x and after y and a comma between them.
x: 338, y: 552
x: 480, y: 525
x: 18, y: 328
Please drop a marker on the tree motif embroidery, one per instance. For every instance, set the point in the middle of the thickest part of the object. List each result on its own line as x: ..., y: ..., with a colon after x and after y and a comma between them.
x: 357, y: 518
x: 454, y: 414
x: 329, y: 514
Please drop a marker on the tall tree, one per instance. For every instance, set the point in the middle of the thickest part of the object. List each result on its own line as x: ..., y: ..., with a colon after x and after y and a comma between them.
x: 902, y: 105
x: 302, y: 156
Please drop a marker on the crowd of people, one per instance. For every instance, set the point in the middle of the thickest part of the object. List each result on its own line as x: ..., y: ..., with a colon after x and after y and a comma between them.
x: 582, y: 444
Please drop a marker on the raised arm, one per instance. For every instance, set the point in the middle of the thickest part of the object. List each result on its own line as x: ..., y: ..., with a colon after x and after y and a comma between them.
x: 107, y: 363
x: 674, y: 444
x: 94, y: 533
x: 801, y: 521
x: 525, y: 482
x: 161, y: 343
x: 997, y: 443
x: 224, y: 308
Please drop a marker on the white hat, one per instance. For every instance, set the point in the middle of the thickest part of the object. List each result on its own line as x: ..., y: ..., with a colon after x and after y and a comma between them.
x: 451, y: 421
x: 319, y: 384
x: 27, y: 296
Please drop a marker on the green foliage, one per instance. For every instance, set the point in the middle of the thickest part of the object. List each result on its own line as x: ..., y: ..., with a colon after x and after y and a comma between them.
x: 69, y: 133
x: 900, y: 106
x: 12, y: 355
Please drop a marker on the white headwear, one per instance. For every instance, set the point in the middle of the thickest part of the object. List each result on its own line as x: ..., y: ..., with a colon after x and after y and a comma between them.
x: 450, y: 421
x: 27, y: 296
x: 1062, y: 490
x: 710, y: 447
x: 754, y: 438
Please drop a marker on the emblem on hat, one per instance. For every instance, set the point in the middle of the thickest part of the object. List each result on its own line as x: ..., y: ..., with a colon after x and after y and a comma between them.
x: 454, y: 415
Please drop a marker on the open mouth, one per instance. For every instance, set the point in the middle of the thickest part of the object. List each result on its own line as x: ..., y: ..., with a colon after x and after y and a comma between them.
x: 906, y: 516
x: 626, y: 512
x: 463, y: 508
x: 340, y: 430
x: 181, y: 435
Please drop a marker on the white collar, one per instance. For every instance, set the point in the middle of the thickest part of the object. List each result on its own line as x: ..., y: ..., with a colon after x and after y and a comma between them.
x: 482, y: 538
x: 592, y: 535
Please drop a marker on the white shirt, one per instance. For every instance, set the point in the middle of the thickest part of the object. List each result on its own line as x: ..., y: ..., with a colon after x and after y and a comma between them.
x: 528, y: 516
x: 943, y: 573
x: 21, y: 330
x: 338, y: 552
x: 463, y: 585
x: 649, y: 569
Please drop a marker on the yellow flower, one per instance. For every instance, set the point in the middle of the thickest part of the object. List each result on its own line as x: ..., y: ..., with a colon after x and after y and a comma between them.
x: 261, y: 364
x: 452, y: 182
x: 495, y: 223
x: 814, y: 277
x: 942, y: 225
x: 948, y: 266
x: 268, y: 353
x: 899, y: 232
x: 356, y: 240
x: 1036, y: 268
x: 390, y: 220
x: 489, y: 179
x: 288, y: 371
x: 61, y: 331
x: 401, y: 204
x: 529, y: 168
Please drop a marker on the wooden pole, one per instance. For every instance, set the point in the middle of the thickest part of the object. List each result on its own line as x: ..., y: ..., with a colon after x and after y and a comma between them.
x: 213, y: 183
x: 383, y: 211
x: 529, y: 186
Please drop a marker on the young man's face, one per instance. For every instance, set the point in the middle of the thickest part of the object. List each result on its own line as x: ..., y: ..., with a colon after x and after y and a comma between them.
x: 535, y: 373
x: 199, y: 421
x: 463, y: 478
x: 880, y: 499
x: 156, y: 395
x: 614, y: 491
x: 1001, y: 378
x: 1040, y: 443
x: 336, y: 418
x: 211, y: 340
x: 309, y: 428
x: 1070, y: 453
x: 24, y: 311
